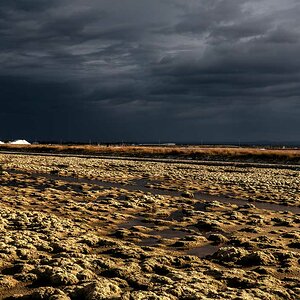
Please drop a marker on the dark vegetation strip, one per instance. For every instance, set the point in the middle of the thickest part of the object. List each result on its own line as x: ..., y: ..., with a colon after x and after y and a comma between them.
x: 234, y: 163
x: 226, y: 154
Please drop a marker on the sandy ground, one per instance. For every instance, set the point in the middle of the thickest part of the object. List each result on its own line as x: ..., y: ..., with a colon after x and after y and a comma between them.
x: 76, y: 228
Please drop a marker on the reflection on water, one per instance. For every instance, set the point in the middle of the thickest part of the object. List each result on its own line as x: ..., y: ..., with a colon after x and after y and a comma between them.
x: 203, y: 251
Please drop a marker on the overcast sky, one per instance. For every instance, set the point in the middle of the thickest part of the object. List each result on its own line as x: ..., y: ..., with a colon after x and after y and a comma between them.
x: 141, y: 70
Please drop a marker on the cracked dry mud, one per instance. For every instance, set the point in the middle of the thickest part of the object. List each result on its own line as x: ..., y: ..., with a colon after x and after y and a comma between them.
x: 76, y: 228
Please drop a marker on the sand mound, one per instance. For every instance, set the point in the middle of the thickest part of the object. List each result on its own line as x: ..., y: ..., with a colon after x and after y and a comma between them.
x: 20, y: 142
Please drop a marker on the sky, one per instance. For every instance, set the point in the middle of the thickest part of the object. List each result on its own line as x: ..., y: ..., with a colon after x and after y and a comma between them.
x: 150, y: 71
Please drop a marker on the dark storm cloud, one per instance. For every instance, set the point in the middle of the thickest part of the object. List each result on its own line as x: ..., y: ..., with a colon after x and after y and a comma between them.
x: 137, y: 69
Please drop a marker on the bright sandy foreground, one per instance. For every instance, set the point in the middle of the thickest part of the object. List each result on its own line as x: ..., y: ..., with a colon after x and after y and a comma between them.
x: 144, y: 230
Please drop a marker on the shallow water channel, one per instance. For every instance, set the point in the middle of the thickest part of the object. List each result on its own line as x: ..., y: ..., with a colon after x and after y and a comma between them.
x: 140, y: 184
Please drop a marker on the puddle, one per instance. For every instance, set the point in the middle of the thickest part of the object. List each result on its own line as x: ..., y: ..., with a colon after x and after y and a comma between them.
x: 169, y: 233
x: 145, y: 182
x: 176, y: 215
x: 150, y: 242
x: 203, y: 251
x: 137, y: 222
x: 200, y: 206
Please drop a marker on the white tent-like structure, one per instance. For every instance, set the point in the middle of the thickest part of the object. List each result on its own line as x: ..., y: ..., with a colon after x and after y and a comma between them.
x: 20, y: 142
x: 1, y: 143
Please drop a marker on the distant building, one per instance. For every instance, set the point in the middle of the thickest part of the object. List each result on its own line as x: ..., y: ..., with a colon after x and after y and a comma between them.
x: 161, y: 144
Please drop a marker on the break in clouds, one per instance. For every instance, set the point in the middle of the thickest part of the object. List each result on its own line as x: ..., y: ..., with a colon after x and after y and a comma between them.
x: 173, y: 70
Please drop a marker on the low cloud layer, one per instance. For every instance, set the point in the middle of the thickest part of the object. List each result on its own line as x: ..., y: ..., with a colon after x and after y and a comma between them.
x: 139, y: 70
